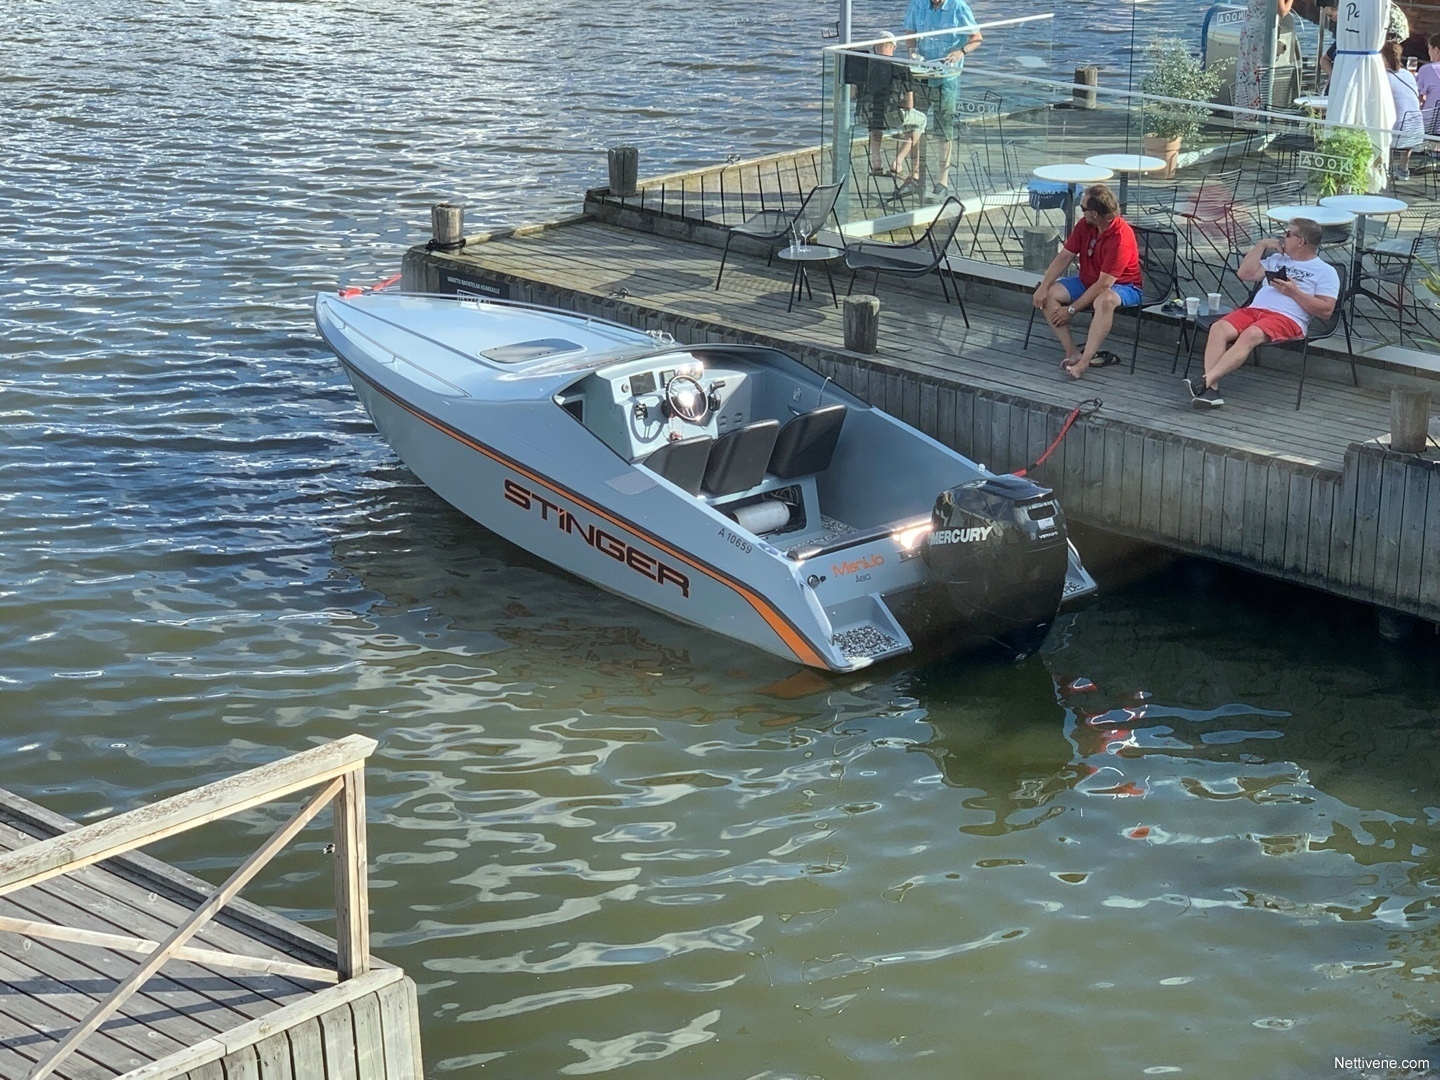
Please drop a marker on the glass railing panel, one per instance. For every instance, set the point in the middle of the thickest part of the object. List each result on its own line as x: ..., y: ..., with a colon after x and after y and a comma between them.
x: 1213, y: 174
x: 913, y: 124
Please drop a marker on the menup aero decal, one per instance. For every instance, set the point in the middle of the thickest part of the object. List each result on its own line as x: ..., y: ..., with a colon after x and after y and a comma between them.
x: 865, y: 562
x: 962, y: 536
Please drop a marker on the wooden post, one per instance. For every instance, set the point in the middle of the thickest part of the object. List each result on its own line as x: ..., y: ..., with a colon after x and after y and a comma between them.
x: 1039, y: 247
x: 447, y: 226
x: 1086, y: 76
x: 624, y: 170
x: 1409, y: 419
x: 862, y: 323
x: 352, y: 881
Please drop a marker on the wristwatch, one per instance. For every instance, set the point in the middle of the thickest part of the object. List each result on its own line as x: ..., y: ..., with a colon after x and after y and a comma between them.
x: 1071, y: 309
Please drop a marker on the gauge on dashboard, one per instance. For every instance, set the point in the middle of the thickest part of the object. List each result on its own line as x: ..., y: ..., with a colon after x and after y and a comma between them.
x: 644, y: 383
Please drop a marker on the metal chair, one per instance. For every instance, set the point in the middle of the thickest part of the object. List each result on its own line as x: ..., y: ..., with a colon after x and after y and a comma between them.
x: 916, y: 259
x: 1392, y: 260
x: 1315, y: 331
x: 1209, y: 211
x: 775, y: 227
x: 992, y: 196
x: 1159, y: 252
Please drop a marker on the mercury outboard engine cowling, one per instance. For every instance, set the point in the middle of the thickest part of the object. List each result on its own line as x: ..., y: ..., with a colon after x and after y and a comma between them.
x: 998, y: 551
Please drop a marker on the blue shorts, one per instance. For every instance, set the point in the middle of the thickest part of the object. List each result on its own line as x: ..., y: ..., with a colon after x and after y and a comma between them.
x: 1130, y: 295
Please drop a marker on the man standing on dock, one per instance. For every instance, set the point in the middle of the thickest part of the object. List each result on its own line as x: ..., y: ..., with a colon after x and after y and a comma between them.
x: 940, y: 91
x: 1298, y: 285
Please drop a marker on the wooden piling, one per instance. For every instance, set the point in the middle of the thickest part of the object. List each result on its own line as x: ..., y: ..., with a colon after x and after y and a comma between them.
x: 447, y: 226
x: 1086, y: 79
x: 624, y: 164
x: 1409, y: 419
x: 862, y: 323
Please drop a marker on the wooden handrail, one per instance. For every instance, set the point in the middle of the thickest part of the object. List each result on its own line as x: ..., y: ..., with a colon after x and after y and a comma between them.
x: 125, y: 832
x: 337, y: 768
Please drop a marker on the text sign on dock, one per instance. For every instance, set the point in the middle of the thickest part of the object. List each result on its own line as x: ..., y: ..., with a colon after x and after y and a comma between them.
x: 1318, y: 162
x: 453, y: 284
x: 977, y: 108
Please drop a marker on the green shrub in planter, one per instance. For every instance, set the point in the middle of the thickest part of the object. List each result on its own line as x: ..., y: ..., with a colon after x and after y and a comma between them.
x: 1355, y: 152
x: 1174, y: 73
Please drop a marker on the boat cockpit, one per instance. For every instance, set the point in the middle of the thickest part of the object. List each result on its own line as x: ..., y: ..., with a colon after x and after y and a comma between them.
x: 760, y: 439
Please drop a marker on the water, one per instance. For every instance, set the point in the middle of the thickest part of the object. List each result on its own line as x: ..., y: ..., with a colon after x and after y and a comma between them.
x: 1197, y: 836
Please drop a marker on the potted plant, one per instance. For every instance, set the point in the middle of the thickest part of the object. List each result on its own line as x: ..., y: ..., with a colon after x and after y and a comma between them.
x: 1174, y: 73
x: 1347, y: 155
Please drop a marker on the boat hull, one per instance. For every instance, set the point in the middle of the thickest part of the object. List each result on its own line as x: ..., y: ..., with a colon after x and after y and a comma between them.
x: 552, y: 444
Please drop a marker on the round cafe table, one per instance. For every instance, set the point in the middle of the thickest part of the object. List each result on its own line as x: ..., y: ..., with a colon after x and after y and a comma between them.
x: 1071, y: 174
x: 1315, y: 102
x: 1125, y: 164
x: 1321, y: 215
x: 809, y: 253
x: 1362, y: 206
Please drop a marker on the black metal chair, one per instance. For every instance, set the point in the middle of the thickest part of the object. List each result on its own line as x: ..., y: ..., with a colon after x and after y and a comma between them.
x: 1390, y: 262
x: 925, y: 255
x: 1159, y: 252
x: 682, y: 462
x: 1315, y: 331
x: 776, y: 227
x: 994, y: 193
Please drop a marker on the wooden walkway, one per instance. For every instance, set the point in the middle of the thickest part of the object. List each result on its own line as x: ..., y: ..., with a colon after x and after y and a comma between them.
x: 251, y: 995
x: 1312, y: 496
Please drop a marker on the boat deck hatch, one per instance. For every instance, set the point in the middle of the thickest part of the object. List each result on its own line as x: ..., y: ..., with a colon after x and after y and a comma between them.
x: 524, y: 351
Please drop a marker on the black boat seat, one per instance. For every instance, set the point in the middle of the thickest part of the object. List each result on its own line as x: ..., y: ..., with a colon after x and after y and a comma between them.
x: 807, y: 442
x: 738, y: 459
x: 682, y: 462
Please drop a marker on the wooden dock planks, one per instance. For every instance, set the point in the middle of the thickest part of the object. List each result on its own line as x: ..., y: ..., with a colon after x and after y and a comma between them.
x: 190, y: 1020
x: 1312, y: 496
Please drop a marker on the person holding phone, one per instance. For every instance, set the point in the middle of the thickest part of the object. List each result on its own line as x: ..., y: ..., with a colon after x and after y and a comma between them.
x: 1297, y: 286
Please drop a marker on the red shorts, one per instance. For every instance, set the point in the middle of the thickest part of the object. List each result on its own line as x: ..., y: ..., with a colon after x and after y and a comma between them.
x: 1272, y: 324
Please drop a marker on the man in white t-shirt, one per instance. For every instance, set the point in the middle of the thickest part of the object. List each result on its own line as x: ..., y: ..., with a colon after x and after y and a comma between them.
x: 1298, y: 286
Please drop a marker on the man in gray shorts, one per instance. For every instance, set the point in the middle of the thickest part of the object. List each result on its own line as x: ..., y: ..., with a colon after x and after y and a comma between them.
x: 938, y: 92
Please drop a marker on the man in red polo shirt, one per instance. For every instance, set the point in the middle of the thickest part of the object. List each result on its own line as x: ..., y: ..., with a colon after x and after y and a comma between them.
x: 1109, y: 278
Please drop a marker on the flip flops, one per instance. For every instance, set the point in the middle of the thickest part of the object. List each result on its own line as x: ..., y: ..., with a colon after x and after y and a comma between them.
x: 1103, y: 358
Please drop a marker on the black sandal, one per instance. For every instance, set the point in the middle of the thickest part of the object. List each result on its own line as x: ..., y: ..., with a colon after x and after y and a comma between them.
x: 1104, y: 358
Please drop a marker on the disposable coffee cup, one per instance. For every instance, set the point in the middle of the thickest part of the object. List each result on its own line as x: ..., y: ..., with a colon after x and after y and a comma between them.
x: 1212, y: 301
x: 1192, y: 305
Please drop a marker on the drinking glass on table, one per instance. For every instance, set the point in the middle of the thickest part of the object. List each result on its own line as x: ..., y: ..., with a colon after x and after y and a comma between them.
x: 1412, y: 64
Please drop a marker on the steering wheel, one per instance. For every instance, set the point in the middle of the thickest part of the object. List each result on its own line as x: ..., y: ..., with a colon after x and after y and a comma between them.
x: 686, y: 399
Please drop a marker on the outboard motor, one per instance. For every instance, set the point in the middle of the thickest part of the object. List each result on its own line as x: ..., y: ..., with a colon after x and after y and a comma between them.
x: 998, y: 551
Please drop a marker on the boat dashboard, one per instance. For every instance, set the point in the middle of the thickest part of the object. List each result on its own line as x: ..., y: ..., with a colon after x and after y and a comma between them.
x: 637, y: 406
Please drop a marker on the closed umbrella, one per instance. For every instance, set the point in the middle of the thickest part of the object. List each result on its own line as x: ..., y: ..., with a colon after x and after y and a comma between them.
x: 1359, y: 93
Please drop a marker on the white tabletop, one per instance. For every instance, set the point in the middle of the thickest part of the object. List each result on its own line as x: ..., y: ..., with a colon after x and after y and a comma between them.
x: 1313, y: 101
x: 1073, y: 174
x: 1366, y: 205
x: 1123, y: 163
x: 1321, y: 215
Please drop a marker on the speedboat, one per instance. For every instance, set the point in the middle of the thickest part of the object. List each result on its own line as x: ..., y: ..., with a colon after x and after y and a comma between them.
x: 727, y: 486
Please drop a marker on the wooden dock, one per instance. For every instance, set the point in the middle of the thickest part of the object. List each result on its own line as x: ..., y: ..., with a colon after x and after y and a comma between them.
x: 1313, y: 496
x: 86, y: 924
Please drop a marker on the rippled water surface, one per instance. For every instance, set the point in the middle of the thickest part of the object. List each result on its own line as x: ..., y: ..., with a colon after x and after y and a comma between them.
x: 1198, y: 836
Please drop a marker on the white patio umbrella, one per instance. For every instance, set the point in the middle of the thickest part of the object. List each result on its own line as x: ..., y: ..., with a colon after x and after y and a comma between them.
x: 1359, y: 92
